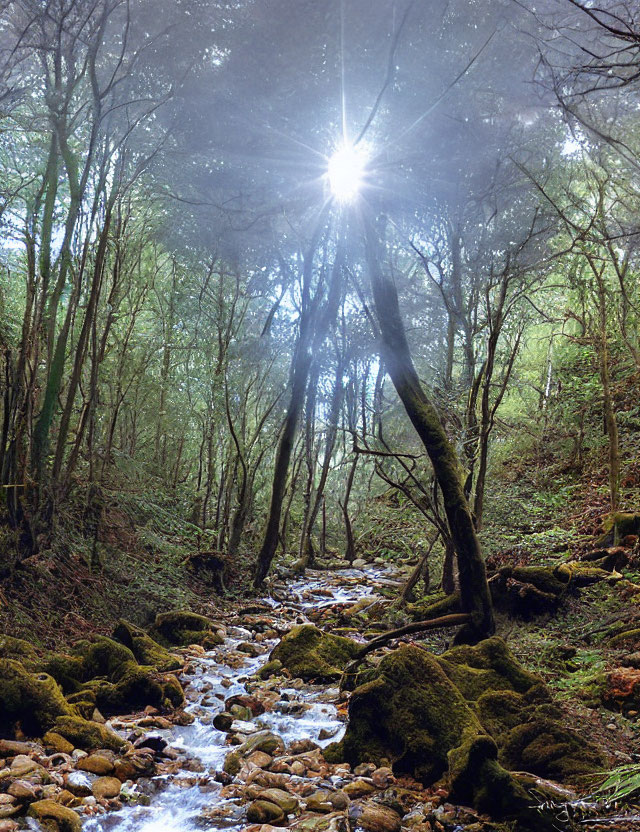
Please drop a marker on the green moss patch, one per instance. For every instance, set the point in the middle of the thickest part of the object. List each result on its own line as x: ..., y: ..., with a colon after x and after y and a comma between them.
x: 309, y: 653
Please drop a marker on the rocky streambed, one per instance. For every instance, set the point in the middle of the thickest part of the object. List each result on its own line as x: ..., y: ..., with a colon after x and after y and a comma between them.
x: 247, y: 750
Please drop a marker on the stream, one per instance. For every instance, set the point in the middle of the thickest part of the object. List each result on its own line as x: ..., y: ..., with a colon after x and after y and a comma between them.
x: 191, y: 792
x: 190, y: 798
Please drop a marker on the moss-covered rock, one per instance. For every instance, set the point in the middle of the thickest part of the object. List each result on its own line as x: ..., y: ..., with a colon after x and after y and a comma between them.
x: 144, y: 648
x: 68, y: 671
x: 309, y: 653
x: 136, y: 686
x: 31, y: 701
x: 18, y: 649
x: 469, y: 715
x: 54, y: 815
x: 86, y: 734
x: 108, y: 658
x: 413, y: 716
x: 544, y: 747
x: 489, y: 665
x: 513, y: 705
x: 181, y: 627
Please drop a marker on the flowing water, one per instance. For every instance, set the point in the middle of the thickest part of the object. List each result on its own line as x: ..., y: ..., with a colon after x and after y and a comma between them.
x: 190, y: 798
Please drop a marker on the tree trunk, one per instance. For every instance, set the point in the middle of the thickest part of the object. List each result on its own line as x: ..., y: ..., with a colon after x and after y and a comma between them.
x: 474, y: 590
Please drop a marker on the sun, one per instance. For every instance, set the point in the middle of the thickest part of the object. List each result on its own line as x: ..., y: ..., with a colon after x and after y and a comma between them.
x: 346, y: 172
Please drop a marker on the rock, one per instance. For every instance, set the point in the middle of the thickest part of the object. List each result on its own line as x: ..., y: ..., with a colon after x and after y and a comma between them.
x: 57, y: 743
x: 232, y: 763
x: 79, y: 783
x: 287, y: 802
x: 265, y: 741
x: 359, y: 563
x: 326, y: 801
x: 86, y: 734
x: 223, y: 721
x: 50, y: 813
x: 373, y: 817
x: 182, y: 628
x: 263, y: 811
x: 622, y: 691
x: 139, y: 764
x: 34, y: 701
x: 359, y: 788
x: 97, y: 764
x: 250, y: 649
x: 260, y: 759
x: 23, y: 791
x: 8, y: 810
x: 382, y: 777
x: 106, y: 788
x: 251, y: 702
x: 310, y: 653
x: 9, y: 748
x: 144, y: 648
x: 417, y: 712
x: 22, y: 765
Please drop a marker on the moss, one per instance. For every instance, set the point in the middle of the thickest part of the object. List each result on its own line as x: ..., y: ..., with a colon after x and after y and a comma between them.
x: 309, y: 653
x: 172, y: 692
x: 428, y: 608
x: 271, y: 668
x: 144, y: 648
x: 232, y: 763
x: 18, y: 649
x: 106, y: 657
x: 631, y: 636
x: 544, y: 747
x: 617, y: 525
x: 34, y: 701
x: 54, y: 815
x: 490, y: 665
x: 86, y: 734
x: 469, y: 716
x: 181, y: 627
x: 414, y: 716
x: 67, y: 670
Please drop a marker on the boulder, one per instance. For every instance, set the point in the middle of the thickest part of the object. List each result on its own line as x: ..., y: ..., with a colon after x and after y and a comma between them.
x: 433, y: 717
x: 287, y: 802
x: 99, y: 764
x: 54, y: 742
x: 85, y: 734
x: 265, y: 741
x: 32, y: 701
x: 144, y: 648
x: 309, y: 653
x: 181, y: 628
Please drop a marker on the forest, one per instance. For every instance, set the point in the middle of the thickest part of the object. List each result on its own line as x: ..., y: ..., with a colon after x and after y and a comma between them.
x: 319, y: 418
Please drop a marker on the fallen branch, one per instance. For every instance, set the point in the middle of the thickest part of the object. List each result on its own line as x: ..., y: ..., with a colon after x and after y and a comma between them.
x: 452, y: 620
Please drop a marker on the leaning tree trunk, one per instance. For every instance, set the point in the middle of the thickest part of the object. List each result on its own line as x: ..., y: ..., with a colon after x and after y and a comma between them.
x: 474, y: 591
x: 283, y: 457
